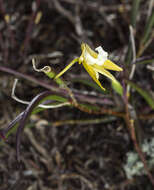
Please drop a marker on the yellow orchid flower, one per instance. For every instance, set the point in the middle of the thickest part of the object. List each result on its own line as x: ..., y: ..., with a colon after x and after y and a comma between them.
x: 94, y: 63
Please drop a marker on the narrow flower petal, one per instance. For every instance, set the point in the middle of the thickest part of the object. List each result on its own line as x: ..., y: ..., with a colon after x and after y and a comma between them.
x: 67, y: 67
x: 92, y: 73
x: 104, y: 72
x: 111, y: 66
x: 89, y: 50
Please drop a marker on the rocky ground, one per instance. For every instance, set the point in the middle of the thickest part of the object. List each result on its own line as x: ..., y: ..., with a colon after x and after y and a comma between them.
x: 105, y: 141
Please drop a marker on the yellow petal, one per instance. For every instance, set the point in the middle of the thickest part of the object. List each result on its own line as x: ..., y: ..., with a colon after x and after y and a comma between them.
x: 85, y: 48
x: 104, y: 72
x: 111, y: 66
x: 67, y: 67
x: 81, y: 58
x: 92, y: 73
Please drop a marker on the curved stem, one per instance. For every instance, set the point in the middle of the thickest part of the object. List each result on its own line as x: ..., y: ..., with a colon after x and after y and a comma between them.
x: 35, y: 101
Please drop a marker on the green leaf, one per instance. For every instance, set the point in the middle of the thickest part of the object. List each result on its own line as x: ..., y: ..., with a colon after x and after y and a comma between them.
x: 117, y: 87
x: 148, y: 98
x: 145, y: 61
x: 134, y: 13
x: 54, y: 98
x: 148, y: 29
x: 57, y: 98
x: 90, y: 107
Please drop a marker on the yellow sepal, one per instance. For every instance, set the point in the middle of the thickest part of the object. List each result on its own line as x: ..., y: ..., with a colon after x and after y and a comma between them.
x: 85, y: 47
x: 104, y: 72
x: 111, y: 66
x: 93, y: 74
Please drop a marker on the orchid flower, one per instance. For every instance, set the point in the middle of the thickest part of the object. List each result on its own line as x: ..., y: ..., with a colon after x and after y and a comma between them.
x: 94, y: 63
